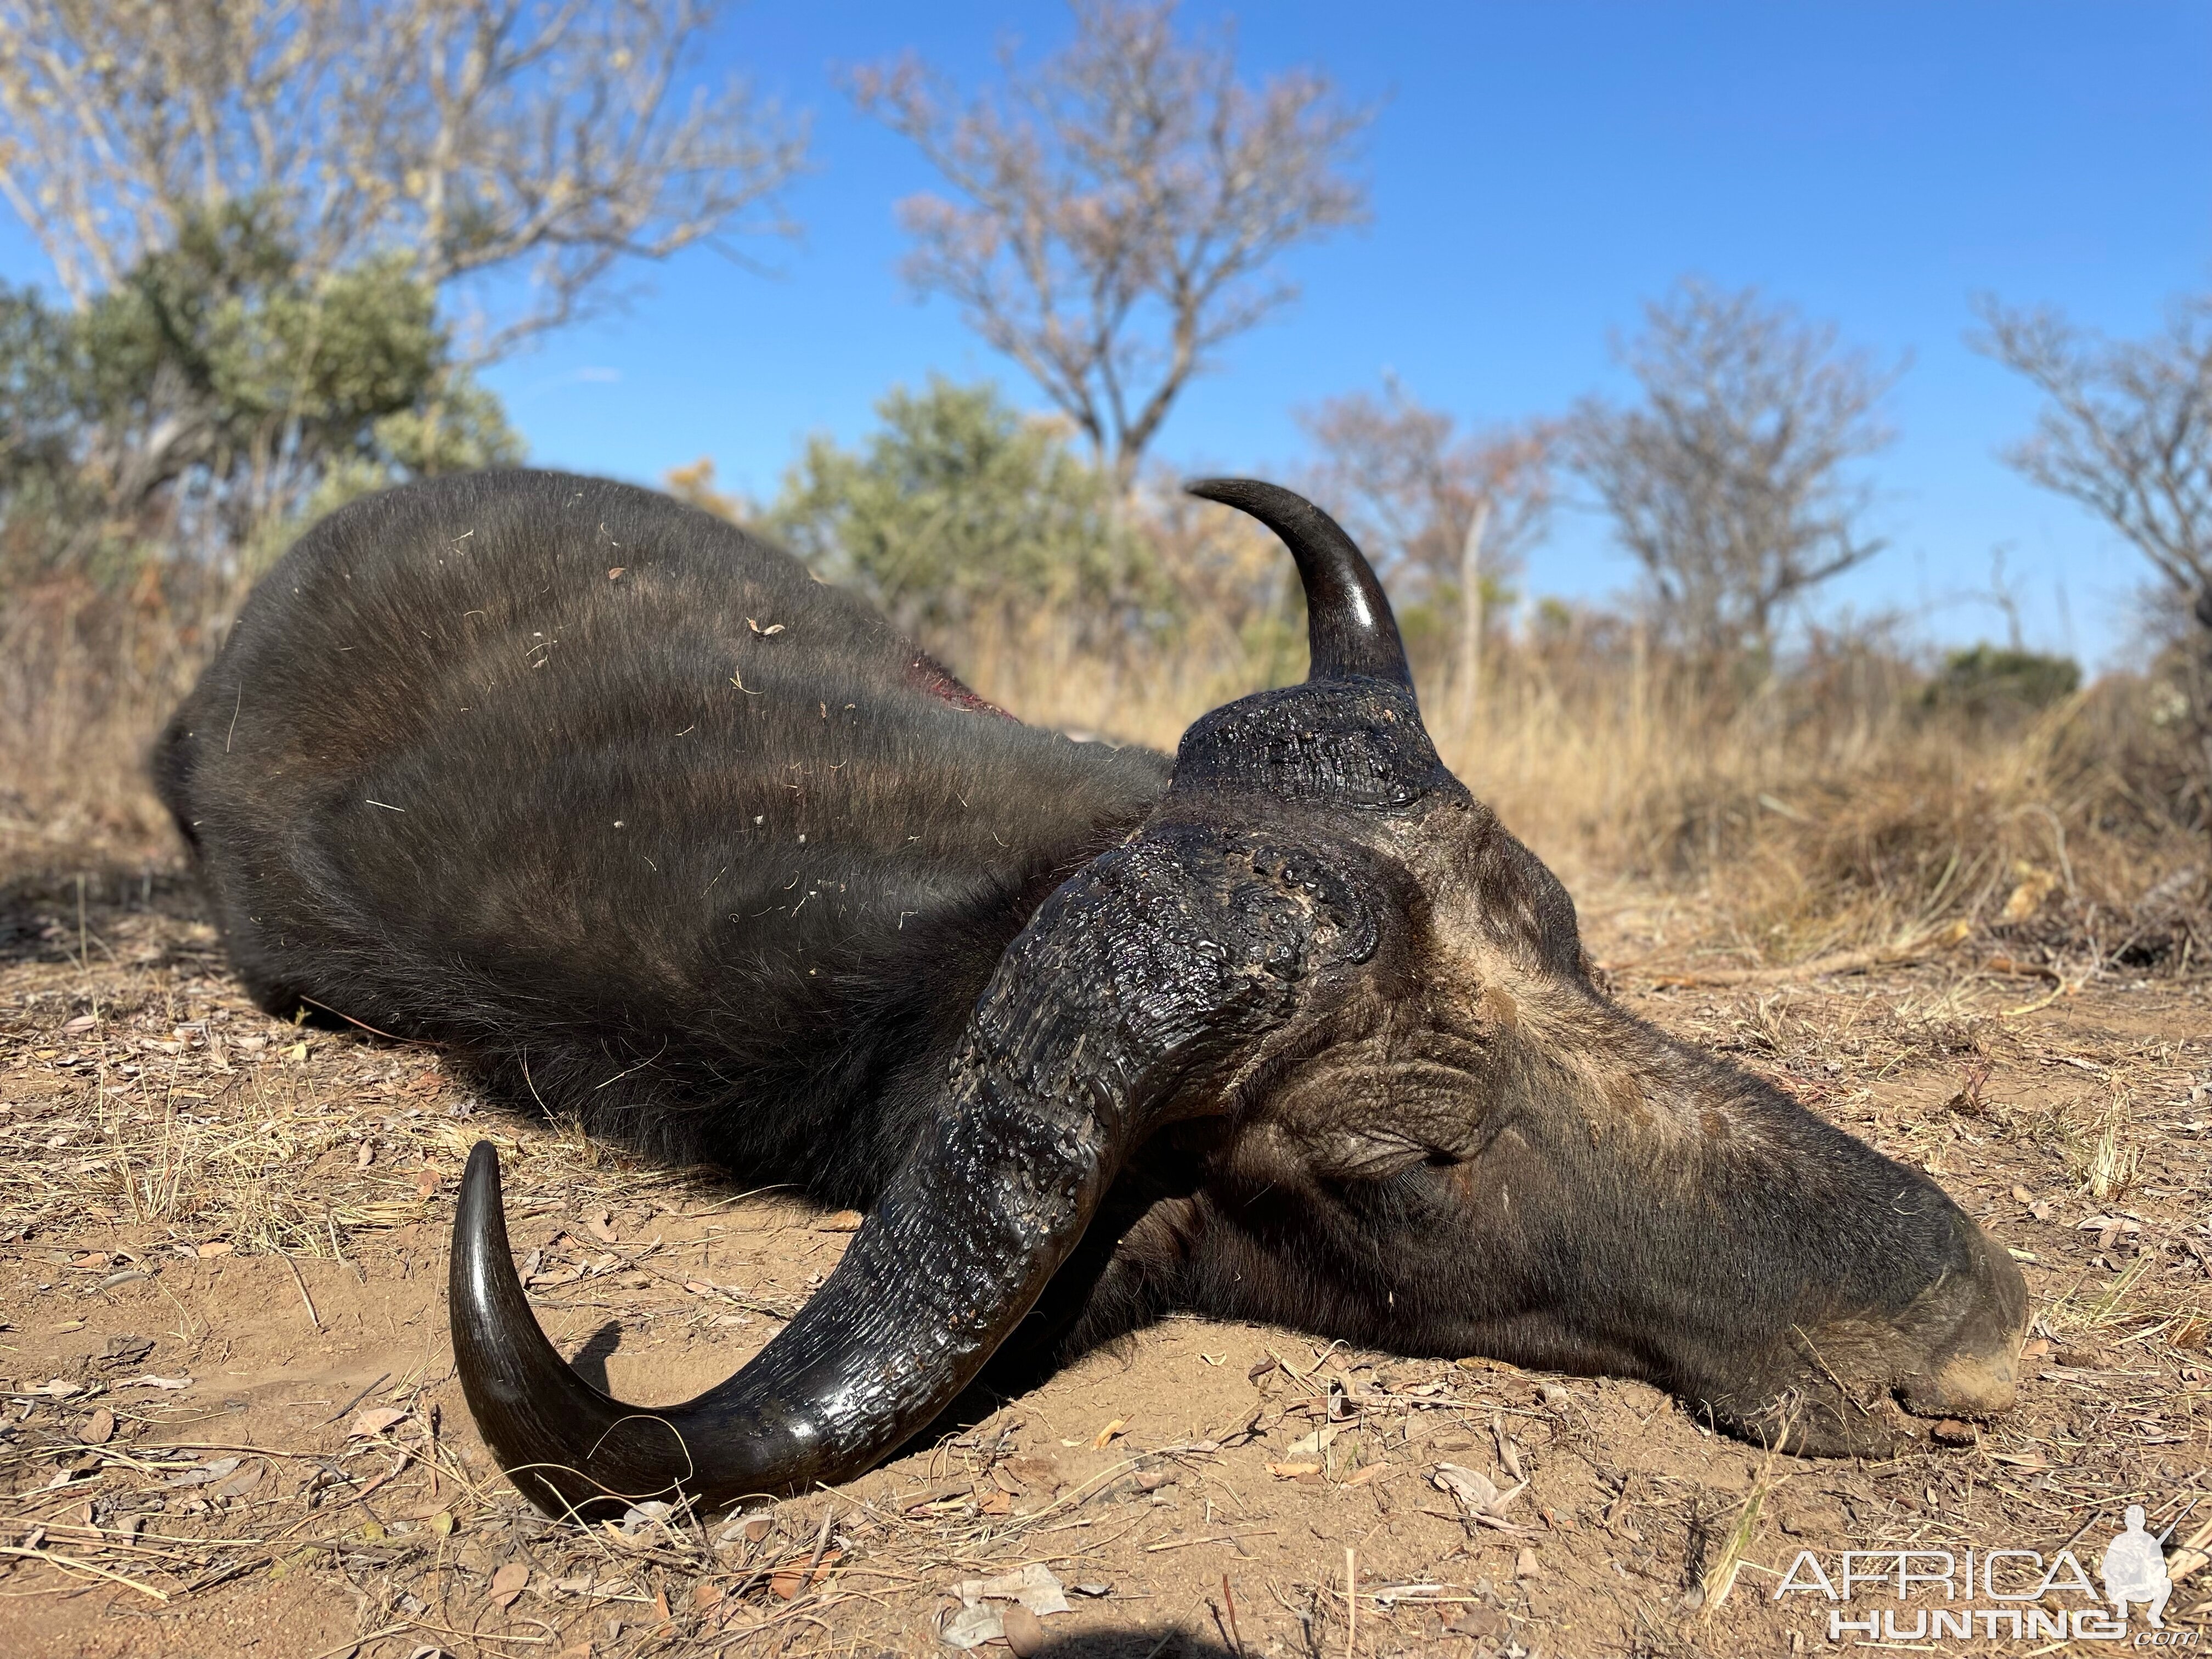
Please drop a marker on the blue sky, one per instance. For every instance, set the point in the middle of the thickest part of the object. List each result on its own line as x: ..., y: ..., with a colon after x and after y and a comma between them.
x: 1538, y: 170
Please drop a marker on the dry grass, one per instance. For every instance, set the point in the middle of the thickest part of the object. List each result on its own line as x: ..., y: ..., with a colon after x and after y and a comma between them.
x: 274, y: 1221
x: 86, y: 679
x: 1828, y: 812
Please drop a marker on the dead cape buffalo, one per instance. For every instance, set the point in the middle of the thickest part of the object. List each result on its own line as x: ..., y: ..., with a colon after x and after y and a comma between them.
x: 645, y: 824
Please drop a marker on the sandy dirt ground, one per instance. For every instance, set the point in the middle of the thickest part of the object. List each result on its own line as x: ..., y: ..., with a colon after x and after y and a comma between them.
x: 231, y: 1426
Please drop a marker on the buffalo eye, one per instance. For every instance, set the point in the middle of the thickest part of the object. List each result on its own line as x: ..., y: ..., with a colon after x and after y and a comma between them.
x: 1386, y: 1177
x: 1366, y: 1155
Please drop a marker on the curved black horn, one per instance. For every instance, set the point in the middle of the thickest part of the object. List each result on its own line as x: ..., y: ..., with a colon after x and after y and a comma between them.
x: 1350, y: 630
x: 1134, y: 980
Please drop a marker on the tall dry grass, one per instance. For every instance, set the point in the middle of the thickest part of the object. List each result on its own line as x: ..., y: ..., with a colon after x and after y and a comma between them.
x: 1826, y: 809
x: 1829, y: 808
x: 87, y: 676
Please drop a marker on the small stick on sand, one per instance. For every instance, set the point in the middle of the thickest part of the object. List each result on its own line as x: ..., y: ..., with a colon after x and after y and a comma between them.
x: 314, y: 1318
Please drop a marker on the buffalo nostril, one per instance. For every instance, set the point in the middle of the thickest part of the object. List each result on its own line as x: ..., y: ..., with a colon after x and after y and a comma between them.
x: 1980, y: 1387
x: 1967, y: 1385
x: 1974, y: 1371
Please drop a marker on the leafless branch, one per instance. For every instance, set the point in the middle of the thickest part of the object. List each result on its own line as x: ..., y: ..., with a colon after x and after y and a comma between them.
x: 2125, y: 431
x: 1729, y: 483
x: 1408, y: 486
x: 1114, y: 212
x: 478, y: 136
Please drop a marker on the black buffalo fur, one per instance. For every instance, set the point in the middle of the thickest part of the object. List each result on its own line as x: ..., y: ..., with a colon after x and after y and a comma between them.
x: 648, y: 827
x: 642, y: 822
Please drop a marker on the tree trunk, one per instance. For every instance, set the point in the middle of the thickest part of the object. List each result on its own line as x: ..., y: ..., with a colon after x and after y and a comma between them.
x: 1469, y: 675
x: 2200, y: 694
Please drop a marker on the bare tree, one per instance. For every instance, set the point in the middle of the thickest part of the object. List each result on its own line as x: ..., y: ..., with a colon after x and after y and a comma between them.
x: 1446, y: 514
x: 1729, y: 481
x: 475, y: 136
x: 1118, y: 209
x: 2126, y: 432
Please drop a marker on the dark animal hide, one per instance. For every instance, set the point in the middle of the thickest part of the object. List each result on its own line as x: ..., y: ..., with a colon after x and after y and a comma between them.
x: 649, y: 827
x: 622, y: 804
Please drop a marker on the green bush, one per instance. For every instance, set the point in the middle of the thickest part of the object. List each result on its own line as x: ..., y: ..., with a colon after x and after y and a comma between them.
x: 1986, y: 680
x: 216, y: 398
x: 958, y: 505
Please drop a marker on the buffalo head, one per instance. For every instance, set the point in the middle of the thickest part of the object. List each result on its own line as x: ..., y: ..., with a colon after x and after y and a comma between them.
x: 1360, y: 1011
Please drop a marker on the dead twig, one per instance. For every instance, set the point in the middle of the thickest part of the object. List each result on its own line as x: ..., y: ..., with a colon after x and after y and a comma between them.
x: 292, y: 1268
x: 71, y: 1564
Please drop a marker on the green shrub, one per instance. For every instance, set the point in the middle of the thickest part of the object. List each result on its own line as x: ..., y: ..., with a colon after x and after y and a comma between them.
x: 1986, y: 680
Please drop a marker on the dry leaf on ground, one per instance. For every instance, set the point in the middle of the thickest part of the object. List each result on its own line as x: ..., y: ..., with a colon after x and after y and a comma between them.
x: 375, y: 1420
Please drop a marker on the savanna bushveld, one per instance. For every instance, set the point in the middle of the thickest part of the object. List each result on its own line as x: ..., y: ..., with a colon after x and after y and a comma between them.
x: 1947, y: 908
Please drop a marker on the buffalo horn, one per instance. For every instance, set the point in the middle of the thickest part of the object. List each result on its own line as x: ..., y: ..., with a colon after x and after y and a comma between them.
x: 1104, y: 1017
x: 1350, y: 630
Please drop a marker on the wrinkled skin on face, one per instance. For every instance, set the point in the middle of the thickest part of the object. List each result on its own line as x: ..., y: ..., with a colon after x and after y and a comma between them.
x: 1463, y: 1147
